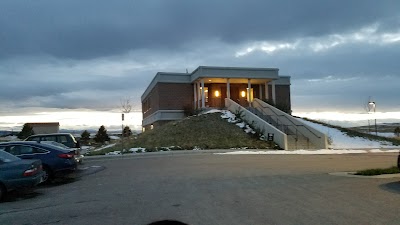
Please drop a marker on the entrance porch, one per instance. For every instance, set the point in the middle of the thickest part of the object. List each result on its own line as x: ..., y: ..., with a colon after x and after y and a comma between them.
x: 211, y: 92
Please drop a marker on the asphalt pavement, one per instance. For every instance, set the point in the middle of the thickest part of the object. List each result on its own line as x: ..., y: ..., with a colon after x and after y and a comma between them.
x: 206, y: 188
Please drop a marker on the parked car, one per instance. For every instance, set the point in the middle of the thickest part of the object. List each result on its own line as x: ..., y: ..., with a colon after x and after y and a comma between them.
x: 56, y: 161
x: 78, y: 156
x: 17, y: 173
x: 63, y: 138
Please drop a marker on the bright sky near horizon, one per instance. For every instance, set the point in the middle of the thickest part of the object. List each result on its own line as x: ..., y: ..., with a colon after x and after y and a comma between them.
x: 72, y: 61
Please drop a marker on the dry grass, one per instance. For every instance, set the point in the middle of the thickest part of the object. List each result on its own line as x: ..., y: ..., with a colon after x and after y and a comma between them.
x: 208, y: 131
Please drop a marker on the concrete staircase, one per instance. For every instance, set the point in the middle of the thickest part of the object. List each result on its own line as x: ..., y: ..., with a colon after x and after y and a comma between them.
x: 295, y: 139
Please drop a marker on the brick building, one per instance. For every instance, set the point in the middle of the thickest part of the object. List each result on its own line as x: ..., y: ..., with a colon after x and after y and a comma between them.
x: 45, y: 128
x: 169, y: 94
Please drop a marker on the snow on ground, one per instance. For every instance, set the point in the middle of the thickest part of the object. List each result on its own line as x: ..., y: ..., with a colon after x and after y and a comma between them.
x: 229, y: 116
x: 114, y: 153
x: 307, y: 152
x: 114, y: 137
x: 137, y: 150
x: 342, y: 141
x: 211, y: 111
x: 241, y: 125
x: 104, y: 147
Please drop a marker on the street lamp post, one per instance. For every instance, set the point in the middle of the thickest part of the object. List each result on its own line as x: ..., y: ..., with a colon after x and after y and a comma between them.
x: 373, y: 105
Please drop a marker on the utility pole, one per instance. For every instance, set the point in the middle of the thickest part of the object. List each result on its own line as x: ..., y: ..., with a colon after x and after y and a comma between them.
x: 372, y: 104
x: 126, y: 107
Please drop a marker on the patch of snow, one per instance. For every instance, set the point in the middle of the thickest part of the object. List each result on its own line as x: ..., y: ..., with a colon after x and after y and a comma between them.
x: 104, y: 147
x: 226, y: 114
x: 307, y: 152
x: 137, y: 150
x: 114, y: 137
x: 196, y: 148
x: 241, y: 125
x: 212, y: 111
x: 342, y: 141
x: 114, y: 153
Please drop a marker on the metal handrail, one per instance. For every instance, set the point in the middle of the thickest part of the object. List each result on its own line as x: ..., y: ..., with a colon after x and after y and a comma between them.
x: 263, y: 107
x: 278, y: 124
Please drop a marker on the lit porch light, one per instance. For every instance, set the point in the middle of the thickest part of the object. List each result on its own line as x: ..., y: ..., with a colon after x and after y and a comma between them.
x: 216, y: 94
x: 243, y: 94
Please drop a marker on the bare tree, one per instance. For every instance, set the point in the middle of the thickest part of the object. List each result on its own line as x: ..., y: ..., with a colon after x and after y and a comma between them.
x: 126, y: 105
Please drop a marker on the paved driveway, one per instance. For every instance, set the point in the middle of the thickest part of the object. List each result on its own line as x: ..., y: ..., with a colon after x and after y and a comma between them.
x: 215, y: 189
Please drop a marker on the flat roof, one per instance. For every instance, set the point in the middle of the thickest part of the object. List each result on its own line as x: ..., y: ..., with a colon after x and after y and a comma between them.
x: 212, y: 72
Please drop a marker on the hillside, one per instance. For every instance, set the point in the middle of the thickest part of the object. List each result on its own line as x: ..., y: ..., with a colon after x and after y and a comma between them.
x: 207, y: 131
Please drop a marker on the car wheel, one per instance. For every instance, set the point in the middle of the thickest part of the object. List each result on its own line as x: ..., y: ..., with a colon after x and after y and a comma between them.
x: 47, y: 174
x: 2, y: 191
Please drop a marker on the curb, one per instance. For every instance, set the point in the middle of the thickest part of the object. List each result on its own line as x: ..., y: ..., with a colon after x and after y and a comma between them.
x: 144, y: 154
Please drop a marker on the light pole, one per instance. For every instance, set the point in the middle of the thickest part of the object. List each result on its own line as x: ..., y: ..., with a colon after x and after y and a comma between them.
x: 373, y: 105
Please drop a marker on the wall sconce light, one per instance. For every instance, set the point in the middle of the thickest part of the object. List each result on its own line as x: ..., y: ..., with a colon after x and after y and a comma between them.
x: 216, y: 94
x: 243, y: 94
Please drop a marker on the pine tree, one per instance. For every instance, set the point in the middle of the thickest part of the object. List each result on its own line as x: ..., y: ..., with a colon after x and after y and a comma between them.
x: 127, y: 131
x: 85, y: 136
x: 101, y: 135
x: 26, y: 131
x: 397, y: 132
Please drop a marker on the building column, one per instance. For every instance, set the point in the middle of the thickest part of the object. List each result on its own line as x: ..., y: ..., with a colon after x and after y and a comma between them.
x: 195, y: 95
x: 248, y: 91
x: 203, y: 97
x: 273, y: 92
x: 228, y: 89
x: 198, y: 95
x: 260, y: 91
x: 266, y: 91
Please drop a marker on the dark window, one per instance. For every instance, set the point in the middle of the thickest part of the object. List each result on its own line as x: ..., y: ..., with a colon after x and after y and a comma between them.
x: 15, y: 150
x: 49, y: 138
x: 62, y: 139
x: 39, y: 150
x: 25, y: 150
x: 34, y: 139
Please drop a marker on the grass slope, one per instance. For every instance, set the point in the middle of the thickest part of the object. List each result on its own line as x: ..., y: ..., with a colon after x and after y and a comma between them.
x: 208, y: 131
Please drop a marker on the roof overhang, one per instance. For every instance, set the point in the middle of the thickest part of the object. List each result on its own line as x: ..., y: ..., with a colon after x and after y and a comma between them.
x: 235, y: 73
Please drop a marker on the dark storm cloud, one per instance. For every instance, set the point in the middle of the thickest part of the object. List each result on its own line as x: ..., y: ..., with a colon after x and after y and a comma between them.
x: 90, y: 29
x: 90, y: 54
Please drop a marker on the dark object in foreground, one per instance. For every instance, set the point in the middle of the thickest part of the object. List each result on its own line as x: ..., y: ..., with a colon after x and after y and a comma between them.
x: 167, y: 222
x: 398, y: 161
x: 16, y: 173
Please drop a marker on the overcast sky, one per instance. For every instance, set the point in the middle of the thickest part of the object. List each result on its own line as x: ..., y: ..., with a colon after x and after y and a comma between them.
x: 74, y: 54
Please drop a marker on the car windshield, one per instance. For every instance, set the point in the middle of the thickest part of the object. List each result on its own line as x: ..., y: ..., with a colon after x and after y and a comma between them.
x: 7, y: 157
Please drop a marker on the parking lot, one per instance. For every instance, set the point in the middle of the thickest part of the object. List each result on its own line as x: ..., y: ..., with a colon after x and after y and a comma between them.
x: 203, y: 188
